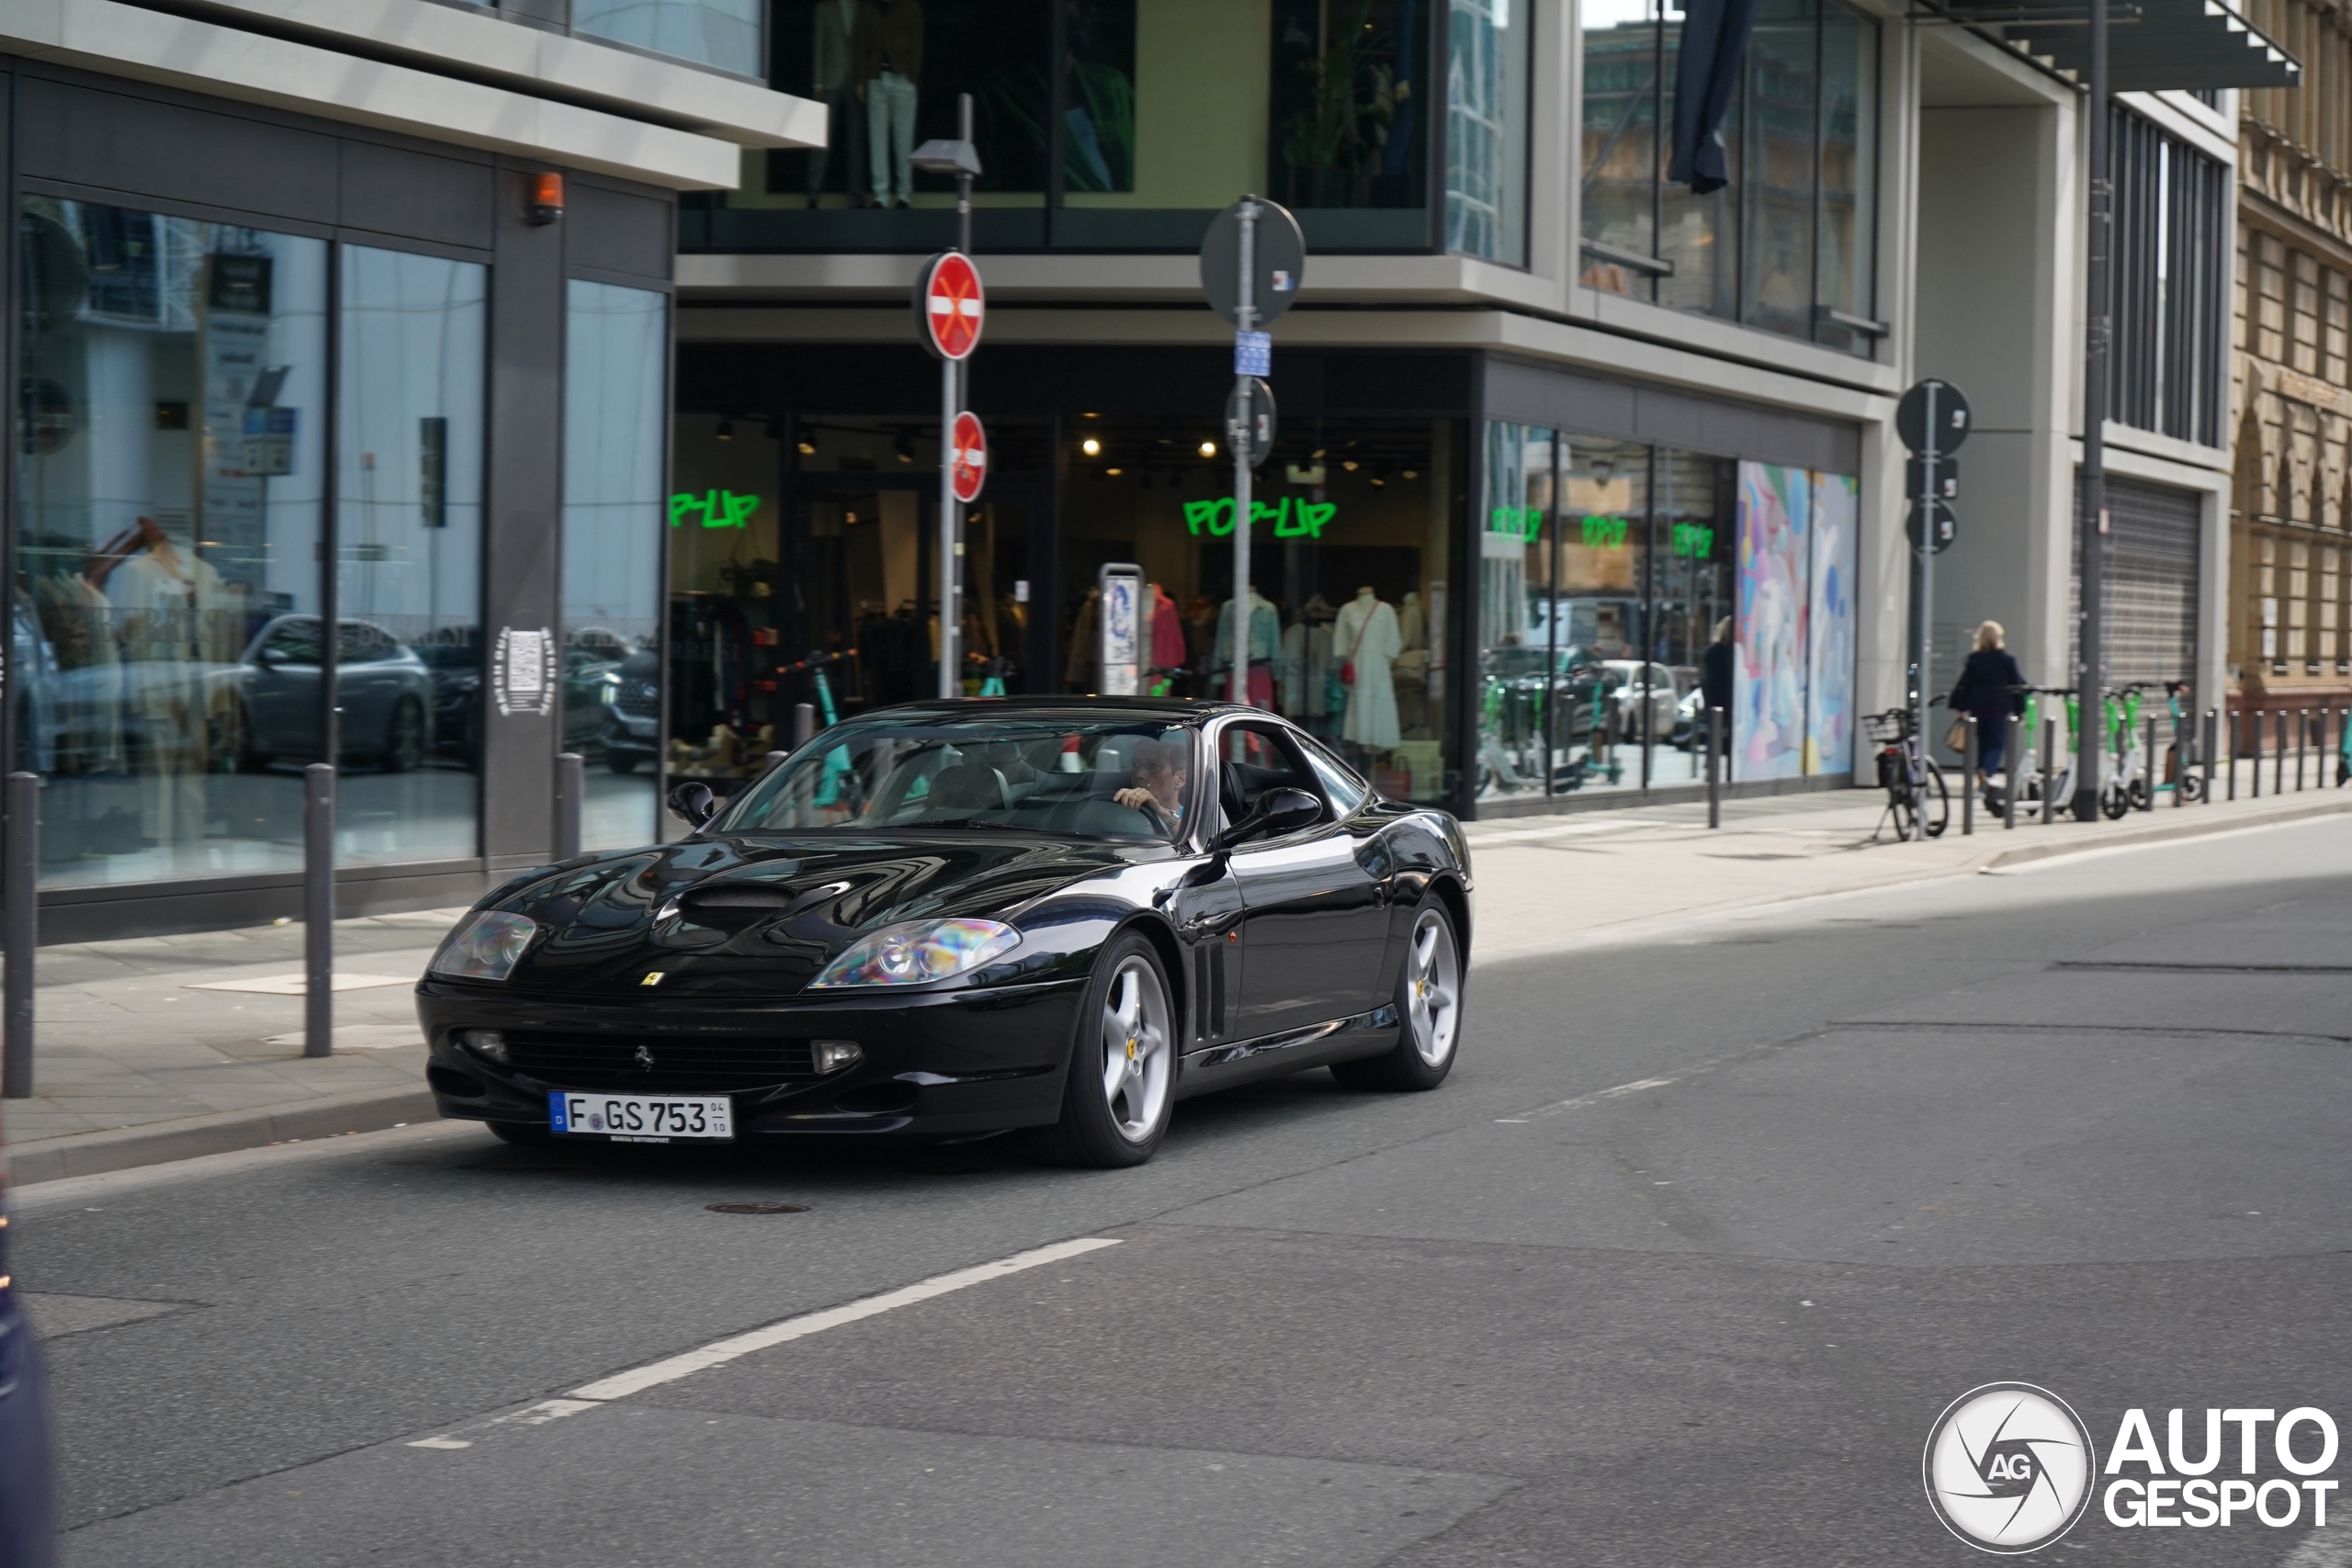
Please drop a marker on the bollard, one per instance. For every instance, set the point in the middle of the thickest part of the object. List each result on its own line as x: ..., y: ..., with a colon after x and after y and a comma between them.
x: 2302, y: 739
x: 2180, y: 762
x: 1968, y: 781
x: 2254, y: 727
x: 2279, y: 762
x: 2148, y: 763
x: 1714, y: 767
x: 318, y: 909
x: 2009, y: 771
x: 804, y: 723
x: 19, y: 888
x: 2049, y: 745
x: 2212, y: 743
x: 571, y: 787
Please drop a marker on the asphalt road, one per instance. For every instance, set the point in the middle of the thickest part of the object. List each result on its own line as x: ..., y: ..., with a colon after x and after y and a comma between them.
x: 2082, y: 1126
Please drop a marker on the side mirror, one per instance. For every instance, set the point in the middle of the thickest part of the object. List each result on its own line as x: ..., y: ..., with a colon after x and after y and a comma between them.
x: 693, y: 803
x: 1277, y: 811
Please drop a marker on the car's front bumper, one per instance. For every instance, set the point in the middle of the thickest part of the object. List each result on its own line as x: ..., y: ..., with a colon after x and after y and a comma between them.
x: 938, y: 1064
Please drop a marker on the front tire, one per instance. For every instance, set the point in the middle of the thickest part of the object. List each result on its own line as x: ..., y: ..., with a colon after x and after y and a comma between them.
x: 1429, y: 1011
x: 1122, y: 1080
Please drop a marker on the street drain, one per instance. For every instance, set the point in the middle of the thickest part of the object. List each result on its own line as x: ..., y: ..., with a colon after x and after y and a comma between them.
x: 757, y: 1208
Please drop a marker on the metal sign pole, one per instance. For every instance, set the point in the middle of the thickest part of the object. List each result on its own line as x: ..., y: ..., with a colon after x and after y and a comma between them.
x: 1237, y: 439
x: 2090, y: 748
x: 1927, y: 548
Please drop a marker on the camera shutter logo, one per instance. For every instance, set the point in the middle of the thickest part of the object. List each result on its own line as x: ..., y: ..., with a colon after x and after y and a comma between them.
x: 2009, y: 1466
x: 522, y: 672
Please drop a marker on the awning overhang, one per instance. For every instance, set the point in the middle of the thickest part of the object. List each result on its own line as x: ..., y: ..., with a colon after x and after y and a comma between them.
x: 2152, y: 45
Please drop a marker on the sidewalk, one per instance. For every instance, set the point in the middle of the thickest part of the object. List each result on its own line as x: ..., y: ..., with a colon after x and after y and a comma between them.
x: 160, y: 1048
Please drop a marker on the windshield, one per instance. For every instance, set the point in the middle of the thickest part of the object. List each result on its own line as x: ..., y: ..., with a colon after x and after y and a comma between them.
x: 1085, y: 779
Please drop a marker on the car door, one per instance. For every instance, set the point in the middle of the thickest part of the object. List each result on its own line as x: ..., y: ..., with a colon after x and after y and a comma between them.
x: 1314, y: 924
x: 367, y: 682
x: 281, y: 690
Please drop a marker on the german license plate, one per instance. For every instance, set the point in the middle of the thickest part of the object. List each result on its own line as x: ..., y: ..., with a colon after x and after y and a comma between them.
x: 641, y: 1118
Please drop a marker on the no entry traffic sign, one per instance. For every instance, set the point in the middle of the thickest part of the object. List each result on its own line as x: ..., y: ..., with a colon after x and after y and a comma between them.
x: 949, y: 305
x: 967, y: 467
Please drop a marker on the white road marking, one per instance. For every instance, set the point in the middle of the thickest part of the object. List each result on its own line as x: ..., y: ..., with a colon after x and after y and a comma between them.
x: 1580, y: 1101
x: 538, y: 1415
x: 620, y: 1385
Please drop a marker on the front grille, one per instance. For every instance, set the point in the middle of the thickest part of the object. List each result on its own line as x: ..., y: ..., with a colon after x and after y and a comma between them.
x: 681, y: 1063
x: 638, y: 699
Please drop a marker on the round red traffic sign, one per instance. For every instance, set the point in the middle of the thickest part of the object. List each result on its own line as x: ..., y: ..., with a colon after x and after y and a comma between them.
x: 967, y: 460
x: 950, y: 305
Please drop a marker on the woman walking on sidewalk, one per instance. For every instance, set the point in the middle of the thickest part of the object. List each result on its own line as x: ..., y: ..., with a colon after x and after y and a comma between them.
x: 1989, y: 689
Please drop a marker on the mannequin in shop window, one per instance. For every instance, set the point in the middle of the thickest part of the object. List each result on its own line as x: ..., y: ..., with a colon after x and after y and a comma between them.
x: 835, y: 55
x: 1265, y: 641
x: 1412, y: 668
x: 175, y: 617
x: 889, y: 75
x: 1366, y: 643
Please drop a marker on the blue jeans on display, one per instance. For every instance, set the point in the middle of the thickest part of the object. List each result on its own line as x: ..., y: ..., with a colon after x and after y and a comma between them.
x: 890, y: 136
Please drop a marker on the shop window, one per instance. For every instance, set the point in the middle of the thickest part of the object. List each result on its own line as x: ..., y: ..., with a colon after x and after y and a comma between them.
x: 2172, y: 222
x: 1787, y: 243
x: 1486, y: 148
x: 615, y: 359
x: 408, y: 570
x: 1348, y: 592
x: 170, y: 491
x: 720, y: 33
x: 1126, y: 124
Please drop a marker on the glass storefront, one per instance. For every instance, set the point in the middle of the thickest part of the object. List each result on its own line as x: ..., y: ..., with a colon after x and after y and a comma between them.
x: 1624, y: 588
x: 1125, y: 124
x: 410, y: 419
x: 1351, y: 524
x: 1786, y: 245
x: 170, y: 497
x: 174, y: 513
x: 616, y: 363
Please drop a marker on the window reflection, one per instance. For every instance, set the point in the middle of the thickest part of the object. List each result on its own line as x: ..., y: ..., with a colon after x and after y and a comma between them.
x: 615, y: 357
x: 408, y: 573
x: 169, y: 506
x: 724, y: 33
x: 1486, y: 154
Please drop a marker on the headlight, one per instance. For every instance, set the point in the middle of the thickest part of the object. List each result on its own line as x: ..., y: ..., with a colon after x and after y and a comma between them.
x: 918, y: 950
x: 486, y: 947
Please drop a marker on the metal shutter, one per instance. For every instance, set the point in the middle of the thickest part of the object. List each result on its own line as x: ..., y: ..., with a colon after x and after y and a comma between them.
x: 2151, y: 586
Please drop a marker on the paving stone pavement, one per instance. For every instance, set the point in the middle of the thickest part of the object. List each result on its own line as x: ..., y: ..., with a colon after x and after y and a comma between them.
x: 134, y: 1034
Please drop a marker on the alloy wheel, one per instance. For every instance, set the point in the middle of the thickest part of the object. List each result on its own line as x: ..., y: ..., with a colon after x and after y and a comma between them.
x: 1137, y: 1050
x: 1433, y: 989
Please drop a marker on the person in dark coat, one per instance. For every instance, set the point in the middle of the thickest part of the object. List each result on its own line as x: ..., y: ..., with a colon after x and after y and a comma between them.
x: 1715, y: 678
x: 1988, y: 689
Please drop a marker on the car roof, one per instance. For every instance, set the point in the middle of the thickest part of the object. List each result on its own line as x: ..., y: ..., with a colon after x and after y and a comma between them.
x: 1179, y: 709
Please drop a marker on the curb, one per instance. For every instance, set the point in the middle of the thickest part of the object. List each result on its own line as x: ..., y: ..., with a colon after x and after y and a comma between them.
x: 227, y: 1132
x: 2152, y: 833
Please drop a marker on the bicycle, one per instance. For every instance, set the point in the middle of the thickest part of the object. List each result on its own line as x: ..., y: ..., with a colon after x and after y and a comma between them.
x: 1919, y: 801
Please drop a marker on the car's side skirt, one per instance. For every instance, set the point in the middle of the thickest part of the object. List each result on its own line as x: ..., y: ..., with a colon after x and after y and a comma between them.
x: 1291, y: 1050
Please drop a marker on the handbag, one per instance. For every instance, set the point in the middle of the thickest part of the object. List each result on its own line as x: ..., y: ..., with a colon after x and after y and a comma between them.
x: 1956, y: 738
x: 1348, y: 665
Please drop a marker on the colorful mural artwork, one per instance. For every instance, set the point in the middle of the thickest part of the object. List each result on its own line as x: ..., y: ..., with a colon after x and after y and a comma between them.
x: 1768, y: 681
x: 1829, y: 688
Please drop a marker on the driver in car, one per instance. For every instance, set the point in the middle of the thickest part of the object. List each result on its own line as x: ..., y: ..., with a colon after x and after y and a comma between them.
x: 1158, y: 769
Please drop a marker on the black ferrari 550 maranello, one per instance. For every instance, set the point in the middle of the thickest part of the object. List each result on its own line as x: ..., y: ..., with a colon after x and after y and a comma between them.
x: 951, y: 920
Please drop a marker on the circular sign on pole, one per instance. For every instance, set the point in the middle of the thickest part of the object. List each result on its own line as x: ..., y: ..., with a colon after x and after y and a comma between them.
x: 1952, y: 417
x: 1947, y: 527
x: 949, y: 305
x: 1250, y: 429
x: 967, y: 463
x: 1279, y: 250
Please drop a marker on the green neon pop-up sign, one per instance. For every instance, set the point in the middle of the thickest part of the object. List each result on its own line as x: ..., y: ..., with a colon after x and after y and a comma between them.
x: 1526, y: 525
x: 717, y: 509
x: 1292, y: 518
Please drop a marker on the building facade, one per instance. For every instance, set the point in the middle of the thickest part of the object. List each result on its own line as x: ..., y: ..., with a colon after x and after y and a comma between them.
x: 2290, y: 592
x: 341, y: 337
x: 1551, y: 421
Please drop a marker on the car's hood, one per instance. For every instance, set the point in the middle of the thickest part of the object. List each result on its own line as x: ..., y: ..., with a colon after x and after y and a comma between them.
x: 724, y: 917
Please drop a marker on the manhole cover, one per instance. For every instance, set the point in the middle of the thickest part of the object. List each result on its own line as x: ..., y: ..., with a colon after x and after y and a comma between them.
x: 757, y: 1208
